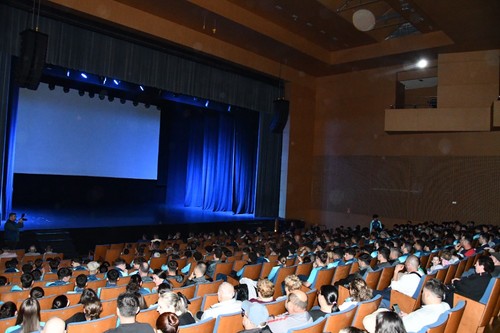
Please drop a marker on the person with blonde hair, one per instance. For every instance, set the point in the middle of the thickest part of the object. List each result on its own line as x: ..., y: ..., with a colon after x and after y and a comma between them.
x: 265, y: 292
x: 358, y: 292
x: 177, y: 304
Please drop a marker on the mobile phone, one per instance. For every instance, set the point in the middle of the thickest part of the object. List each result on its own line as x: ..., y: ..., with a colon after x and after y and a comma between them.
x: 396, y: 308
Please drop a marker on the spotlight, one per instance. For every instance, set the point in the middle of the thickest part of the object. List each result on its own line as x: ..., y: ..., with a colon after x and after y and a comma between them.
x: 122, y: 100
x: 422, y: 63
x: 111, y: 98
x: 91, y: 94
x: 141, y: 87
x: 102, y: 80
x: 116, y: 82
x: 83, y: 75
x: 81, y: 92
x: 229, y: 108
x: 68, y: 73
x: 52, y: 86
x: 66, y: 90
x: 206, y: 104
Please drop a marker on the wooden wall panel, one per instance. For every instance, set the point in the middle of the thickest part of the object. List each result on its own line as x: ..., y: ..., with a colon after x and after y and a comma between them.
x: 412, y: 188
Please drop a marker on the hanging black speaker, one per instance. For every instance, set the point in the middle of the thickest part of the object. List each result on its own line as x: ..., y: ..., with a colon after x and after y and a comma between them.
x: 32, y: 58
x: 280, y: 116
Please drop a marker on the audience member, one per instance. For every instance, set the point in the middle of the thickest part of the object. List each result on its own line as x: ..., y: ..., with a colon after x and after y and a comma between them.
x: 227, y: 302
x: 296, y: 306
x: 128, y: 307
x: 327, y: 300
x: 167, y: 322
x: 175, y: 303
x: 255, y: 317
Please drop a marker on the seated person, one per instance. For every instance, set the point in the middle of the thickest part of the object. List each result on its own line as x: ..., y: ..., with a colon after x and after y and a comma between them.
x: 112, y: 277
x: 227, y: 302
x: 198, y: 275
x: 121, y: 267
x: 93, y: 268
x: 320, y: 263
x: 358, y: 292
x: 76, y: 264
x: 63, y: 277
x: 472, y: 286
x: 80, y: 283
x: 296, y: 315
x: 175, y: 303
x: 27, y: 281
x: 433, y: 306
x: 364, y: 268
x: 60, y: 302
x: 327, y: 300
x: 265, y: 292
x: 92, y: 309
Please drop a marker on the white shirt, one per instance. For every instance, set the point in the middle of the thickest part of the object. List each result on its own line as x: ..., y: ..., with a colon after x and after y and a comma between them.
x: 224, y: 307
x: 426, y: 315
x: 407, y: 284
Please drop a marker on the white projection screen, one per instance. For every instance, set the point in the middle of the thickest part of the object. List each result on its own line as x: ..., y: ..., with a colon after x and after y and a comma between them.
x: 61, y: 133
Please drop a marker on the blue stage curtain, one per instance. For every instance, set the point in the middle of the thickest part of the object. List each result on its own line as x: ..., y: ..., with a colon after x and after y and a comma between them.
x: 221, y: 162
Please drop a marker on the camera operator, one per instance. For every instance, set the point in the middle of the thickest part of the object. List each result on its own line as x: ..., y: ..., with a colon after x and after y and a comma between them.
x: 12, y: 226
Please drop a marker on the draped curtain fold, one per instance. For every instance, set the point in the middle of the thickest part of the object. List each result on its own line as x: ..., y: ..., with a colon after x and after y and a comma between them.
x: 221, y: 163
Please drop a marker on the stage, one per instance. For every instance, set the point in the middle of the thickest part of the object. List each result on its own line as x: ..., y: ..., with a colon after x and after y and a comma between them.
x: 77, y: 230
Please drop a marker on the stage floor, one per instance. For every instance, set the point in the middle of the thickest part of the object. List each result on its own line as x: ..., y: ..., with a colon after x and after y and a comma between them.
x: 40, y: 218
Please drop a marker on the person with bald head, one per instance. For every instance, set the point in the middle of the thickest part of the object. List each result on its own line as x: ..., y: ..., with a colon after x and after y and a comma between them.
x: 227, y: 302
x: 297, y: 315
x: 54, y: 325
x: 407, y: 283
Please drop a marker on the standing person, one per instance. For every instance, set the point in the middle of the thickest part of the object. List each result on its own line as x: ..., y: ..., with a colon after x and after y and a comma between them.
x: 11, y: 227
x: 376, y: 225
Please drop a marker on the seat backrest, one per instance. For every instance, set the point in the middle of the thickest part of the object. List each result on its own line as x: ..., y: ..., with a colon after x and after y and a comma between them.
x: 311, y: 298
x: 157, y: 262
x: 148, y: 316
x: 46, y: 302
x: 14, y: 296
x: 96, y: 284
x: 223, y: 268
x: 6, y: 323
x: 98, y: 325
x: 208, y: 301
x: 238, y: 264
x: 338, y: 320
x: 203, y: 326
x: 108, y: 307
x: 207, y: 288
x: 58, y: 290
x: 490, y: 299
x: 282, y: 273
x: 304, y: 269
x: 266, y: 269
x: 228, y: 323
x: 195, y: 304
x: 341, y: 272
x: 151, y: 298
x: 324, y: 276
x: 186, y: 291
x: 315, y: 327
x: 63, y: 313
x: 385, y: 278
x: 456, y: 314
x: 423, y: 280
x: 372, y: 278
x: 450, y: 274
x: 354, y: 267
x: 460, y: 268
x: 424, y: 260
x: 252, y: 272
x: 276, y: 308
x: 441, y: 273
x: 364, y: 309
x: 437, y: 327
x: 111, y: 292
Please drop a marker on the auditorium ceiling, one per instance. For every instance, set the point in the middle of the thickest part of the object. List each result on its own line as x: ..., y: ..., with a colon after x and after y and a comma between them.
x: 322, y: 37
